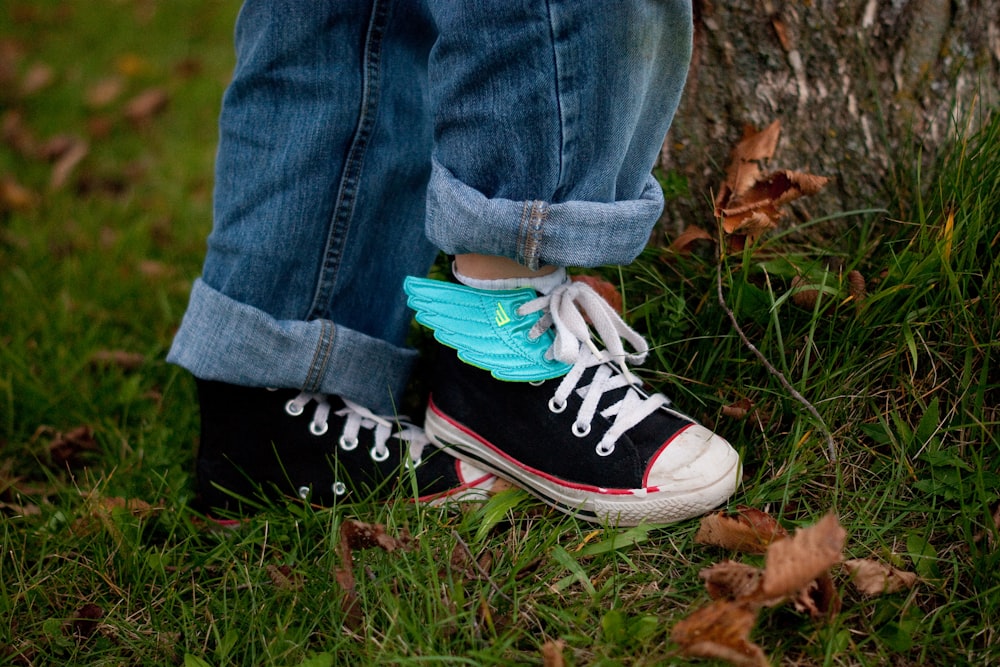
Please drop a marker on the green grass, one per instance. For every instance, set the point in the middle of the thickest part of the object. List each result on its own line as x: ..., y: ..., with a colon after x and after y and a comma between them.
x: 906, y: 380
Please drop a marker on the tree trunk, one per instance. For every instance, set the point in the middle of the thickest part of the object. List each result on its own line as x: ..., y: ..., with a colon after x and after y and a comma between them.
x: 858, y: 85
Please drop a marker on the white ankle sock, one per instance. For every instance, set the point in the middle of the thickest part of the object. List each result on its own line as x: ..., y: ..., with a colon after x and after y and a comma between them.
x: 541, y: 284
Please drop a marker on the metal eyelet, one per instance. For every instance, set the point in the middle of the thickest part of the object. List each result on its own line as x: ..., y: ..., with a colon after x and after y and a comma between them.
x: 581, y: 431
x: 556, y: 407
x: 348, y: 445
x: 318, y: 429
x: 605, y: 450
x: 339, y: 488
x: 304, y: 492
x: 293, y: 408
x: 536, y: 383
x: 379, y: 455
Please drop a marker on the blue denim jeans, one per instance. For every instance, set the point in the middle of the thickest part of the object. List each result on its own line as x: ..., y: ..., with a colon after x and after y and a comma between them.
x: 357, y: 139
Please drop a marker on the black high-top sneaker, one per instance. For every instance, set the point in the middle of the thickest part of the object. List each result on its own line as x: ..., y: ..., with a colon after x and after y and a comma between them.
x: 261, y: 444
x: 524, y: 390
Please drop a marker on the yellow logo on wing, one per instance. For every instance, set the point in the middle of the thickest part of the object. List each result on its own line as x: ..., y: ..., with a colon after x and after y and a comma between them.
x: 501, y: 315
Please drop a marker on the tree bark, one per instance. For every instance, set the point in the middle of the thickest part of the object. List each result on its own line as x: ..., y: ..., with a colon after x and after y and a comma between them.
x: 859, y: 86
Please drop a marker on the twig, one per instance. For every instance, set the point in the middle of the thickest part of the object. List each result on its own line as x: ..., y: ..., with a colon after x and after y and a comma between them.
x: 831, y: 446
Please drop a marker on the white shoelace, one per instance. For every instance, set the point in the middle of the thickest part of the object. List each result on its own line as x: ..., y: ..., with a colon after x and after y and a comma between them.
x: 359, y: 417
x: 566, y: 309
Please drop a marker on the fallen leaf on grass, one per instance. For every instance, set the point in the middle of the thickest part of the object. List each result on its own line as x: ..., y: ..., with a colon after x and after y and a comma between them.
x: 731, y: 580
x: 552, y: 653
x: 18, y: 135
x: 104, y: 92
x: 100, y: 511
x: 605, y: 289
x: 14, y: 196
x: 66, y: 161
x: 284, y: 578
x: 872, y: 578
x: 819, y: 598
x: 127, y: 361
x: 749, y: 531
x: 84, y: 622
x: 795, y: 569
x: 72, y: 447
x: 25, y: 509
x: 792, y: 563
x: 721, y: 631
x: 38, y: 77
x: 357, y: 535
x: 147, y: 104
x: 689, y: 237
x: 738, y: 409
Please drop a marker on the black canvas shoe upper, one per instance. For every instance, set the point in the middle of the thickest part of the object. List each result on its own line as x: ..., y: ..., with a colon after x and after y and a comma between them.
x: 527, y: 422
x: 265, y: 444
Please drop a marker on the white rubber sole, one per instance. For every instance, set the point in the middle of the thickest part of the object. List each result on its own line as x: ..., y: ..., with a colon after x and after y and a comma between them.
x: 717, y: 469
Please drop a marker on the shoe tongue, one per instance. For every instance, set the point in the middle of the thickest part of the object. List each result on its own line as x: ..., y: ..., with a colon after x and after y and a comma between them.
x: 609, y: 397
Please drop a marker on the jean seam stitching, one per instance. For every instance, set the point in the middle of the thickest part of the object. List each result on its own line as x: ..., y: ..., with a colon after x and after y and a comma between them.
x: 321, y: 357
x: 347, y: 196
x: 533, y: 233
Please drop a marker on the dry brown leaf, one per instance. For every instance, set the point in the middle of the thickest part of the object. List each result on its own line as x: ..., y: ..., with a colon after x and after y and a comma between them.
x: 744, y: 160
x: 360, y: 535
x: 354, y: 617
x: 18, y: 135
x: 750, y: 531
x: 100, y: 511
x: 605, y: 289
x: 84, y: 622
x: 38, y: 77
x: 146, y: 105
x: 552, y: 653
x: 732, y: 580
x: 21, y: 509
x: 284, y: 578
x: 67, y: 162
x: 14, y: 196
x: 819, y: 598
x: 134, y: 506
x: 871, y: 577
x: 738, y: 409
x: 127, y: 361
x: 693, y: 234
x: 792, y: 563
x: 782, y: 32
x: 70, y: 448
x: 720, y: 631
x: 104, y: 92
x: 749, y: 202
x: 131, y: 64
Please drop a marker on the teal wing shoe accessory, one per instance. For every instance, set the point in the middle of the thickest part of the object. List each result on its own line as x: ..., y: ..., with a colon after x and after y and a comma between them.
x: 484, y: 327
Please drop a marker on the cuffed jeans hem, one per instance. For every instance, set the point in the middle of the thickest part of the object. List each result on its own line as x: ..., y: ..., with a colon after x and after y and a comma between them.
x: 460, y: 219
x: 225, y: 340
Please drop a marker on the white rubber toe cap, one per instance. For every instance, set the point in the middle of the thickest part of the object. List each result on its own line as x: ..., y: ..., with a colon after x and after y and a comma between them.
x: 696, y: 461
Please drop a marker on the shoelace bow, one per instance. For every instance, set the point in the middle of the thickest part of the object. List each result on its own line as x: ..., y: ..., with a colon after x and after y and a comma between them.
x: 566, y: 309
x: 357, y: 418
